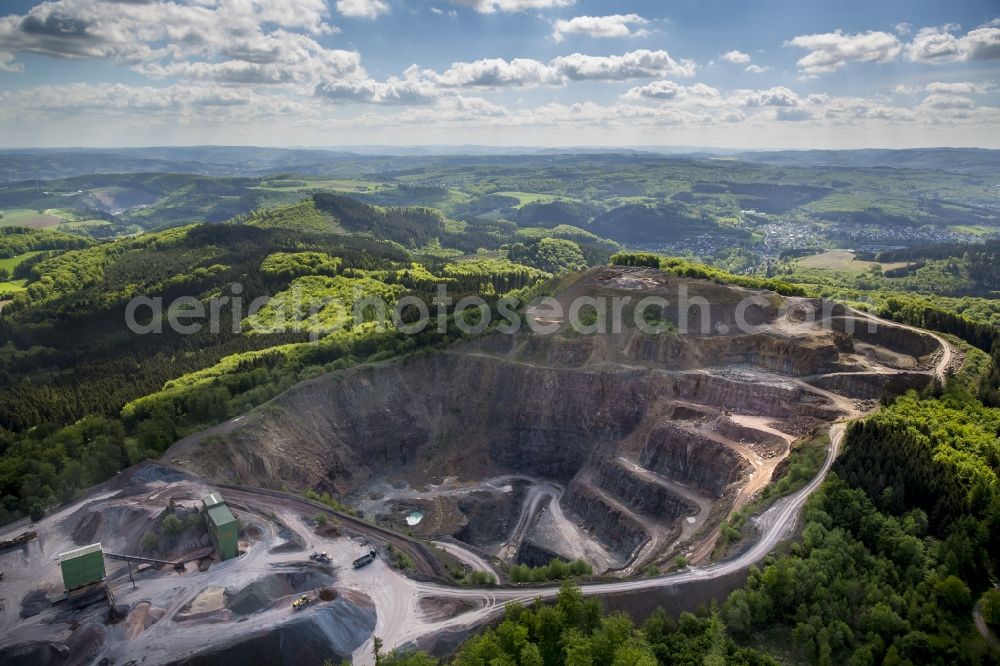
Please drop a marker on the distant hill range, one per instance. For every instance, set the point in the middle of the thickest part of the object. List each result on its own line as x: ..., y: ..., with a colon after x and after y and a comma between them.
x: 50, y: 163
x: 948, y: 159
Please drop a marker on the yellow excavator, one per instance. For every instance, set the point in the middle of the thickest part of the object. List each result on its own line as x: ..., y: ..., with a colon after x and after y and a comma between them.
x: 301, y: 602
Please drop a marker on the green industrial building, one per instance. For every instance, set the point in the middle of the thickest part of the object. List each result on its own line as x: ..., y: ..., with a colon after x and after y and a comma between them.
x: 82, y: 566
x: 222, y: 526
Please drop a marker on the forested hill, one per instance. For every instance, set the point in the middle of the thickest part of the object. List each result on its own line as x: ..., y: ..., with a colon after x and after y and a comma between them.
x: 639, y: 224
x: 411, y: 226
x: 81, y: 395
x: 982, y: 260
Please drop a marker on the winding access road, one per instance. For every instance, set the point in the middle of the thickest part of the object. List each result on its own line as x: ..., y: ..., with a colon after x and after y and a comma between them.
x: 775, y: 524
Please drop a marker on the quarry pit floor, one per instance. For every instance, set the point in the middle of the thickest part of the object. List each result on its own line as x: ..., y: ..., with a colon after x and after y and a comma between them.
x: 173, y: 615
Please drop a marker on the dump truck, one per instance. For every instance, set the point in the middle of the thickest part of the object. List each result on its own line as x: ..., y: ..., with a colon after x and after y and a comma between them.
x: 20, y: 540
x: 301, y: 602
x: 365, y: 559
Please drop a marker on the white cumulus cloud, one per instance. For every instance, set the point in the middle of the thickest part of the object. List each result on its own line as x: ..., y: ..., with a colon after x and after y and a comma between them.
x: 937, y: 45
x: 657, y: 90
x: 616, y: 25
x: 830, y: 51
x: 960, y: 87
x: 528, y: 72
x: 948, y: 101
x: 700, y: 95
x: 277, y: 58
x: 362, y: 8
x: 131, y: 32
x: 640, y: 64
x: 490, y: 73
x: 736, y: 57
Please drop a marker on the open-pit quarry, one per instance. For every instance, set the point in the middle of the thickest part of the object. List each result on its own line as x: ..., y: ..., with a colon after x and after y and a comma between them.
x: 622, y: 447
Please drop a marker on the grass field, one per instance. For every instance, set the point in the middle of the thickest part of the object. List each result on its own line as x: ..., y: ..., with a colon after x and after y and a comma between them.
x: 13, y: 262
x: 11, y: 287
x: 861, y: 199
x: 619, y: 201
x: 532, y: 197
x: 82, y: 225
x: 975, y: 230
x: 23, y: 217
x: 65, y: 214
x: 336, y: 184
x: 842, y: 260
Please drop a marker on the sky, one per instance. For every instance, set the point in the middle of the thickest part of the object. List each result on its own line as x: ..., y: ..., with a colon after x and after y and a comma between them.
x: 742, y: 74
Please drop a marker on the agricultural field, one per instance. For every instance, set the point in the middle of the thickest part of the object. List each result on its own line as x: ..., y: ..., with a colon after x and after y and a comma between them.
x: 85, y: 227
x: 843, y: 260
x: 33, y: 219
x: 11, y: 287
x: 532, y: 197
x: 11, y: 263
x: 355, y: 185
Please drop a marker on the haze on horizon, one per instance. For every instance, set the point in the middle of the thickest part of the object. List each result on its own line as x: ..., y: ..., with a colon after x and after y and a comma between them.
x: 545, y: 73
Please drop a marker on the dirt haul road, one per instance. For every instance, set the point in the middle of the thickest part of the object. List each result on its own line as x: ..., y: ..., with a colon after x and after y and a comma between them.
x: 775, y: 525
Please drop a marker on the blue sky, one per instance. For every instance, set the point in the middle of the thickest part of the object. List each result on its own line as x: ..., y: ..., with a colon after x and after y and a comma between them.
x: 775, y: 74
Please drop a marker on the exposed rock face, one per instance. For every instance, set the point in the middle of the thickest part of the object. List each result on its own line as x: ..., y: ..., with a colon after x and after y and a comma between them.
x: 565, y: 407
x: 871, y: 386
x: 791, y: 356
x: 642, y: 496
x: 692, y: 457
x: 482, y: 414
x: 765, y: 441
x: 614, y: 523
x: 489, y: 518
x: 534, y: 555
x: 780, y: 401
x: 785, y: 356
x: 898, y: 340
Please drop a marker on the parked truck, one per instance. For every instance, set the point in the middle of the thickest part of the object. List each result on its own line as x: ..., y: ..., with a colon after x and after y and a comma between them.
x: 20, y: 540
x: 365, y: 559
